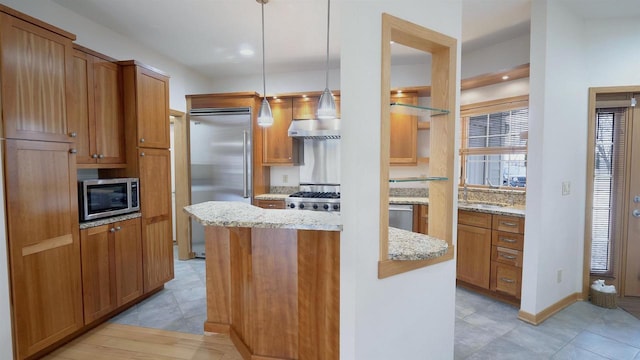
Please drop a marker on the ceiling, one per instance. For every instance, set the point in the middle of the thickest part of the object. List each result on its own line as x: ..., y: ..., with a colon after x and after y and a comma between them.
x: 210, y: 36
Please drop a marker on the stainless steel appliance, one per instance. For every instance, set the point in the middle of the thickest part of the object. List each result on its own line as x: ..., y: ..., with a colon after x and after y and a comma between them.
x: 220, y: 151
x: 101, y: 198
x: 401, y: 217
x: 318, y: 141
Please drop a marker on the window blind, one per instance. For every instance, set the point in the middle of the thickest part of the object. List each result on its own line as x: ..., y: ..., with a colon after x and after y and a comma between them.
x: 608, y: 187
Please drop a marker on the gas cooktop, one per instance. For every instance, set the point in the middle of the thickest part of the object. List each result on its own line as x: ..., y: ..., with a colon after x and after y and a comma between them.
x: 314, y: 200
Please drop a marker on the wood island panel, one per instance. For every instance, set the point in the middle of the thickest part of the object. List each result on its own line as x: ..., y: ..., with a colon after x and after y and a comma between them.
x: 275, y: 291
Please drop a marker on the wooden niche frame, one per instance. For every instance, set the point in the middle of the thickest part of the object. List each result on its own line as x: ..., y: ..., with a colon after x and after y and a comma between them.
x: 443, y: 50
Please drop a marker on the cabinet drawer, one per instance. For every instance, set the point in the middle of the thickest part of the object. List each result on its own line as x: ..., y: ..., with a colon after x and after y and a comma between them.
x: 471, y: 218
x: 506, y: 279
x: 506, y: 256
x: 270, y: 204
x: 507, y: 239
x: 510, y: 224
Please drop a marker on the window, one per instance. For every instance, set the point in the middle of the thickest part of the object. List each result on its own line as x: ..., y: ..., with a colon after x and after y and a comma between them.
x: 608, y: 186
x: 493, y: 150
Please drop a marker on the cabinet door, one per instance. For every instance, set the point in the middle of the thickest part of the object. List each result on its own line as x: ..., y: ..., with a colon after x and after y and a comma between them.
x: 98, y: 277
x: 404, y: 133
x: 128, y: 261
x: 474, y: 255
x: 81, y: 108
x: 152, y: 108
x: 109, y: 120
x: 278, y: 146
x: 305, y: 108
x: 34, y: 65
x: 44, y: 246
x: 157, y: 238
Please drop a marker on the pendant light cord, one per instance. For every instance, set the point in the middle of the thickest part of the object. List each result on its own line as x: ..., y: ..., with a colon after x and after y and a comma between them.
x: 264, y: 82
x: 327, y: 63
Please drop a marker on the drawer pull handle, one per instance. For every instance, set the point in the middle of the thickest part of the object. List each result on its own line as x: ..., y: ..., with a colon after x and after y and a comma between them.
x: 507, y: 223
x: 507, y: 280
x: 510, y: 257
x: 510, y: 241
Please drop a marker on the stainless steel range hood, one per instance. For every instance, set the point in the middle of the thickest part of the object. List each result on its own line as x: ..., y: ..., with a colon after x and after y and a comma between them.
x: 315, y: 129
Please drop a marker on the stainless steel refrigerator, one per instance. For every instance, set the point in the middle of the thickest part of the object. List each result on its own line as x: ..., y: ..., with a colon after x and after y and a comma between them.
x: 220, y: 152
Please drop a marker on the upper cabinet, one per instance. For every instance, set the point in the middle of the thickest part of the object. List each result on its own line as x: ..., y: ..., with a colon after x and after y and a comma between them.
x: 34, y: 64
x: 306, y: 107
x: 277, y: 145
x: 403, y: 132
x: 95, y: 111
x: 146, y: 99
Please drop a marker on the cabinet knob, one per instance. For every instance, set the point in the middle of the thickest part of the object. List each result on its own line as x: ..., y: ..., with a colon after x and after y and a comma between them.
x: 118, y: 228
x: 73, y: 151
x: 142, y: 140
x: 112, y: 230
x: 141, y: 154
x: 101, y: 156
x: 94, y: 156
x: 73, y: 134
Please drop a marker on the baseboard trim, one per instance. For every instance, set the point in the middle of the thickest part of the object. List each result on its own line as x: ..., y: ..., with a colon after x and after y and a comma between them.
x: 538, y: 318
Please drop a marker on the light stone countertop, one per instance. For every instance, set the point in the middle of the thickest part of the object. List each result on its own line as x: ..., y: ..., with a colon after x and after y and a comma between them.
x: 403, y: 245
x: 398, y: 200
x: 407, y: 245
x: 238, y: 214
x: 109, y: 220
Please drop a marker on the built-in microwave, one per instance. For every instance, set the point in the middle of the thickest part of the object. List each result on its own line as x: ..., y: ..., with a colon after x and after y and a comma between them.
x: 100, y: 198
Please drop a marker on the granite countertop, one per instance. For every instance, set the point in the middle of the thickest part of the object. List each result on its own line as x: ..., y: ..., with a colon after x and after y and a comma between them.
x: 407, y: 245
x: 403, y: 245
x: 421, y: 200
x: 109, y: 220
x: 238, y: 214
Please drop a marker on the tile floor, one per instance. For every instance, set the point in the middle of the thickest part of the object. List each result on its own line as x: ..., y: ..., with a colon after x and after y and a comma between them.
x: 484, y: 328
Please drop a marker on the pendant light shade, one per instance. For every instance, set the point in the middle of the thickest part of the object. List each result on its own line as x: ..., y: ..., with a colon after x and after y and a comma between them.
x: 265, y: 117
x: 326, y: 104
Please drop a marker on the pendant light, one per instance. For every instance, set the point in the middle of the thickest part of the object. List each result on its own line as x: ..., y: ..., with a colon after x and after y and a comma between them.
x: 326, y: 104
x: 265, y: 117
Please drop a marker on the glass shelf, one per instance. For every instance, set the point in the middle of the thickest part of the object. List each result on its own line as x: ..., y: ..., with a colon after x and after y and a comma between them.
x: 400, y: 108
x: 418, y: 179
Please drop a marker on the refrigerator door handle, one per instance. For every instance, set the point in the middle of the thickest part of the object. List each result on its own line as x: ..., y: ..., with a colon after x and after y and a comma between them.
x: 245, y: 177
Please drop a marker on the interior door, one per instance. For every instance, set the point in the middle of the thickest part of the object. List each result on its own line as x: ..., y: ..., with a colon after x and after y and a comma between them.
x: 632, y: 265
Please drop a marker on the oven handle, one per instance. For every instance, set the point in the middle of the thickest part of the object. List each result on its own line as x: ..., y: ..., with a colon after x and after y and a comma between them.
x: 245, y: 161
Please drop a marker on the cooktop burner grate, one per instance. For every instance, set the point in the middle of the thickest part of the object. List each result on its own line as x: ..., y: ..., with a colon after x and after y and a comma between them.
x: 316, y: 195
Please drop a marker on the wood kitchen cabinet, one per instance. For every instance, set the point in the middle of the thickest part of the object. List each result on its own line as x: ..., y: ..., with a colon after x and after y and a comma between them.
x: 277, y: 145
x: 270, y: 204
x: 34, y: 62
x: 43, y: 243
x: 155, y: 201
x: 421, y: 219
x: 506, y: 255
x: 307, y: 107
x: 403, y: 132
x: 474, y: 248
x: 111, y: 267
x: 146, y: 97
x: 95, y: 110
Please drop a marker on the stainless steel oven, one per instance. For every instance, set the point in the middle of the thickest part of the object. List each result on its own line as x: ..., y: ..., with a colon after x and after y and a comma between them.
x: 401, y: 217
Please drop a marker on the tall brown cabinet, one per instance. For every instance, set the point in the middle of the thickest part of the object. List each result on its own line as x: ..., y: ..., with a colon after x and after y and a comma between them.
x: 40, y: 182
x: 146, y: 113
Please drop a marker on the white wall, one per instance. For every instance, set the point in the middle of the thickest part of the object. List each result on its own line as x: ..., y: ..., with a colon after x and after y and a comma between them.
x: 554, y: 231
x: 99, y: 38
x: 409, y: 316
x: 501, y: 56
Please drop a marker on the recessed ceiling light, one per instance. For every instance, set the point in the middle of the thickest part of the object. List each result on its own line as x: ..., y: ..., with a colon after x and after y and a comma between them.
x: 506, y: 77
x: 246, y: 52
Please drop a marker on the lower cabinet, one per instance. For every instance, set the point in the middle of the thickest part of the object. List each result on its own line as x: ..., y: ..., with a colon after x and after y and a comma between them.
x: 157, y: 252
x: 43, y: 243
x: 490, y: 252
x: 270, y: 204
x: 111, y: 267
x: 421, y: 219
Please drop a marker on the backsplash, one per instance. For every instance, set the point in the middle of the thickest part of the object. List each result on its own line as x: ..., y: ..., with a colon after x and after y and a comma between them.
x: 283, y: 189
x: 409, y: 192
x: 507, y: 197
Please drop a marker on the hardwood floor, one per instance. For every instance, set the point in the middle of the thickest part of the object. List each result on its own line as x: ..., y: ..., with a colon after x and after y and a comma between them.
x: 115, y: 341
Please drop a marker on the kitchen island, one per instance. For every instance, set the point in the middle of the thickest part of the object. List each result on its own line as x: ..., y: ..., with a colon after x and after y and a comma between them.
x: 273, y: 277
